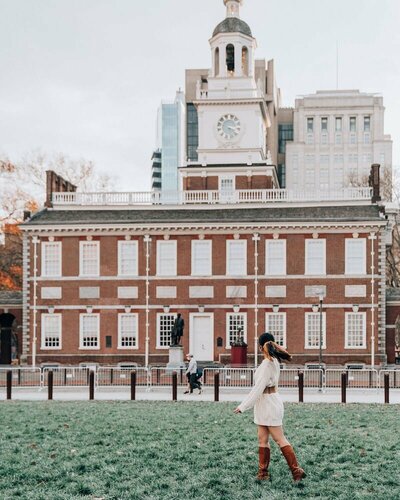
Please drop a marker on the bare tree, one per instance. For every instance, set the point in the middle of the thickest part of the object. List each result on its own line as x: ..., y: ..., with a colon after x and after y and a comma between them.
x: 387, y: 182
x: 23, y: 187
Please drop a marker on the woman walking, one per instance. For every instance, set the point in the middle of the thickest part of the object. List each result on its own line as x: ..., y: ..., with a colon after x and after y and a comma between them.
x: 268, y: 408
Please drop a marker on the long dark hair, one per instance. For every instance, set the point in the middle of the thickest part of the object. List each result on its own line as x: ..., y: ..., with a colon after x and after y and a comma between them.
x: 271, y: 349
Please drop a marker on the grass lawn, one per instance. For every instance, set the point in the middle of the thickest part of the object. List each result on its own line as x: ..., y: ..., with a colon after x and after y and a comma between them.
x: 185, y: 451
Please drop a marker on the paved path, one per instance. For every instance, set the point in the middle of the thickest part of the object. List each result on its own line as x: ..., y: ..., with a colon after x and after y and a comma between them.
x: 165, y: 394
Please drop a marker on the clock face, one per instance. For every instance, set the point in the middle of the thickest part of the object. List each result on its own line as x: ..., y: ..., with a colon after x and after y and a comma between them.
x: 228, y: 126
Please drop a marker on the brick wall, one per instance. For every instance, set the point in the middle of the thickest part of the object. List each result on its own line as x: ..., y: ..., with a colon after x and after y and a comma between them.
x: 295, y: 304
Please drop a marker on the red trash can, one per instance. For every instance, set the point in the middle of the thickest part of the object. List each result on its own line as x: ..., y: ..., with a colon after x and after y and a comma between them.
x: 239, y: 355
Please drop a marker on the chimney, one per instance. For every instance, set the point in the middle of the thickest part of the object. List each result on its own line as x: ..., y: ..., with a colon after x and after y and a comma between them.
x: 374, y: 182
x: 27, y: 215
x: 56, y: 184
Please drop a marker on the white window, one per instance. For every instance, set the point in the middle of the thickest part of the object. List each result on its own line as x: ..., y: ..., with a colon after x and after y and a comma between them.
x: 166, y: 258
x: 89, y: 331
x: 367, y: 138
x: 313, y: 331
x: 324, y: 177
x: 338, y: 159
x: 310, y: 125
x: 227, y: 188
x: 338, y: 177
x: 127, y: 331
x: 353, y: 124
x: 310, y: 178
x: 89, y: 258
x: 275, y: 323
x: 367, y: 124
x: 356, y: 256
x: 324, y: 124
x: 127, y: 258
x: 353, y: 158
x: 367, y: 158
x: 51, y: 259
x: 338, y: 138
x: 165, y: 322
x: 316, y: 257
x: 236, y: 328
x: 51, y: 331
x: 226, y: 183
x: 355, y: 331
x: 236, y: 258
x: 275, y: 257
x: 201, y: 258
x: 324, y: 160
x: 338, y: 124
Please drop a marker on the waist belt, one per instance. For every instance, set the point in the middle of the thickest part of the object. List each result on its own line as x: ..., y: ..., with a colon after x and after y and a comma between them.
x: 270, y: 390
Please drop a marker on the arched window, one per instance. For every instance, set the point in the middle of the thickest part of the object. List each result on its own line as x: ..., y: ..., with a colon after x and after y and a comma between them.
x: 216, y: 61
x: 230, y: 58
x: 245, y: 61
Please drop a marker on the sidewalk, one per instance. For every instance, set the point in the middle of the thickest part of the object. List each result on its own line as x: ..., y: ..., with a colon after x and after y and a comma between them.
x: 227, y: 395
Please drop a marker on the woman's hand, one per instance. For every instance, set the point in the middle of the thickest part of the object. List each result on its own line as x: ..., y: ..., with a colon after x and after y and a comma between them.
x: 237, y: 410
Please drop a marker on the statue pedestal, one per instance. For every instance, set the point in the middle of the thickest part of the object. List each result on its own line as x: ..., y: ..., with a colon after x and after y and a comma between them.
x: 175, y: 358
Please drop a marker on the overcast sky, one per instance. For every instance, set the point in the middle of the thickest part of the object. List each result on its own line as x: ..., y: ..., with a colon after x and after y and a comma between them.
x: 85, y: 77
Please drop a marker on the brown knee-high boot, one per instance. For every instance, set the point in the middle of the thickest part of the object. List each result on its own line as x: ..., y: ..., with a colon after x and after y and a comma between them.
x: 297, y: 472
x: 264, y: 455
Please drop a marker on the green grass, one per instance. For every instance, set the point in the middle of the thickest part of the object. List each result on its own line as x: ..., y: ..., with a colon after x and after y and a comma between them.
x: 149, y: 450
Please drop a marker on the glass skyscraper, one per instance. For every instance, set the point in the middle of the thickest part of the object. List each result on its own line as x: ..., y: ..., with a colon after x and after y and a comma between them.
x: 171, y: 141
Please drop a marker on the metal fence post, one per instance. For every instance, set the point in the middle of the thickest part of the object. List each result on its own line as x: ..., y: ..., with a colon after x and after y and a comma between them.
x: 344, y: 384
x: 386, y: 383
x: 301, y: 387
x: 50, y: 385
x: 216, y: 386
x: 91, y: 385
x: 133, y: 386
x: 9, y: 384
x: 174, y: 386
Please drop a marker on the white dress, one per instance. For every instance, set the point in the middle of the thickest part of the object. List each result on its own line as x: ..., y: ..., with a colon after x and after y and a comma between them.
x: 268, y: 408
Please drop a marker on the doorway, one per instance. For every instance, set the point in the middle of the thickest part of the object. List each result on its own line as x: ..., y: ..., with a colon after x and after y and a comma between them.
x: 7, y: 338
x: 202, y: 336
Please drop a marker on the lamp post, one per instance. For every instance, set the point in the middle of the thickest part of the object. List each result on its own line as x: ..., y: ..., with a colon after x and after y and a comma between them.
x: 318, y: 308
x: 321, y: 301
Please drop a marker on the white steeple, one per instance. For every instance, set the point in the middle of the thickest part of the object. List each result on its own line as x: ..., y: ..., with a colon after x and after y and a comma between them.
x: 233, y: 7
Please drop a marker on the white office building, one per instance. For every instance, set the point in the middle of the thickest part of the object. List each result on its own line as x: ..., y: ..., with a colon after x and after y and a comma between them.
x: 337, y: 136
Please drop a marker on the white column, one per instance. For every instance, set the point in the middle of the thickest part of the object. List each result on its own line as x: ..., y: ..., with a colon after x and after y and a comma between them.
x: 222, y: 60
x: 147, y: 241
x: 256, y: 239
x: 251, y: 60
x: 238, y: 59
x: 35, y: 241
x: 372, y: 238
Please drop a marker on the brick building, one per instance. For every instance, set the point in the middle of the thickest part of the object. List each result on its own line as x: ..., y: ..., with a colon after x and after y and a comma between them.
x: 106, y: 274
x: 112, y: 272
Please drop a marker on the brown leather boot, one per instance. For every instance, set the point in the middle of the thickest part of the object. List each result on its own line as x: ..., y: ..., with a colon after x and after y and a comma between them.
x: 264, y: 455
x: 297, y: 472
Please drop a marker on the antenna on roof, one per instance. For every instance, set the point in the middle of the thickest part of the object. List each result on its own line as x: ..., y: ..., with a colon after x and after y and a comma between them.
x: 337, y: 65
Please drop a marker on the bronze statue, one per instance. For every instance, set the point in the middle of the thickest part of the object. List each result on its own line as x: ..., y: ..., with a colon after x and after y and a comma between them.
x: 177, y: 331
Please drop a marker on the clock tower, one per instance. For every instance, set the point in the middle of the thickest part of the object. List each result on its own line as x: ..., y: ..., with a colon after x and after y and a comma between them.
x: 233, y: 117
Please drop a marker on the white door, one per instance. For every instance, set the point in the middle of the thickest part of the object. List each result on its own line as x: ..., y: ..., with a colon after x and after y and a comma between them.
x: 202, y: 336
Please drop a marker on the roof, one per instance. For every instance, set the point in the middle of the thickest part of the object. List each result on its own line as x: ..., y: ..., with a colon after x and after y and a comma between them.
x: 392, y: 294
x: 10, y: 297
x: 233, y: 25
x: 165, y: 215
